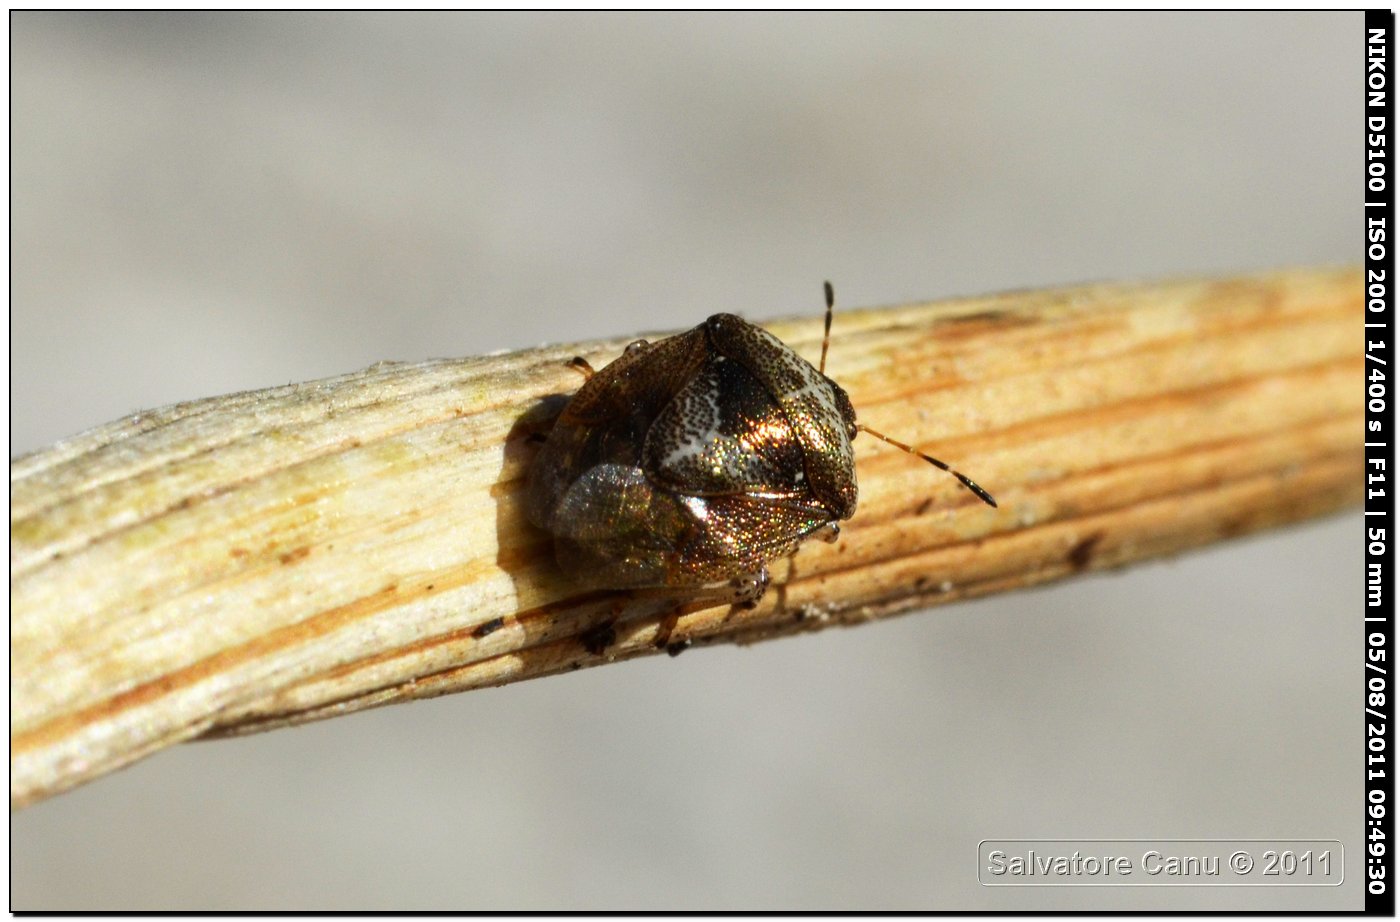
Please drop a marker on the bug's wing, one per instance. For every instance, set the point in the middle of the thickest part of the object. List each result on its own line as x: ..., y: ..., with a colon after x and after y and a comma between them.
x: 607, y: 421
x: 722, y: 434
x: 741, y: 533
x: 614, y: 530
x: 606, y: 501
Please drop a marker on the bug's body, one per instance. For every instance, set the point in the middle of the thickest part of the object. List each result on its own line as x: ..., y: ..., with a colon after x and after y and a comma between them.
x: 696, y: 460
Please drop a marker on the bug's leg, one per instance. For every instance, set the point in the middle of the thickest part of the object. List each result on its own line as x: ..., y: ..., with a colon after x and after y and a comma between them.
x: 743, y: 591
x: 829, y: 533
x: 580, y: 364
x: 748, y: 588
x: 781, y: 588
x: 666, y: 627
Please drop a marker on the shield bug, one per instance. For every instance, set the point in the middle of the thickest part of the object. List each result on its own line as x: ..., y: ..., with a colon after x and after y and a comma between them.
x: 693, y: 462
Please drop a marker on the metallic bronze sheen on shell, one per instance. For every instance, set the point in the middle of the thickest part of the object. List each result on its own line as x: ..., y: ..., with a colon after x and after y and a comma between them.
x: 694, y: 461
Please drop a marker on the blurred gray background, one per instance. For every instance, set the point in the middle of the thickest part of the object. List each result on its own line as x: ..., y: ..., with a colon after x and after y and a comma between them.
x: 209, y: 203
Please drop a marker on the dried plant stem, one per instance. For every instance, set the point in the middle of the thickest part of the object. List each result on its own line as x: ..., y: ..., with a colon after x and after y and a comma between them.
x: 266, y: 558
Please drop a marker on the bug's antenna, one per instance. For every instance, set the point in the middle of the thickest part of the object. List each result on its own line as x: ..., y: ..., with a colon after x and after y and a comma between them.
x: 826, y: 337
x: 982, y: 494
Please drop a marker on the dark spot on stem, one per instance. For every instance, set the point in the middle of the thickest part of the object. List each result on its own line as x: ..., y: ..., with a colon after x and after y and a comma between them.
x: 1083, y: 553
x: 488, y: 628
x: 598, y: 638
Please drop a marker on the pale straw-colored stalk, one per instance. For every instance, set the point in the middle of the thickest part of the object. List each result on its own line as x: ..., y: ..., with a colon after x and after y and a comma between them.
x: 261, y: 559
